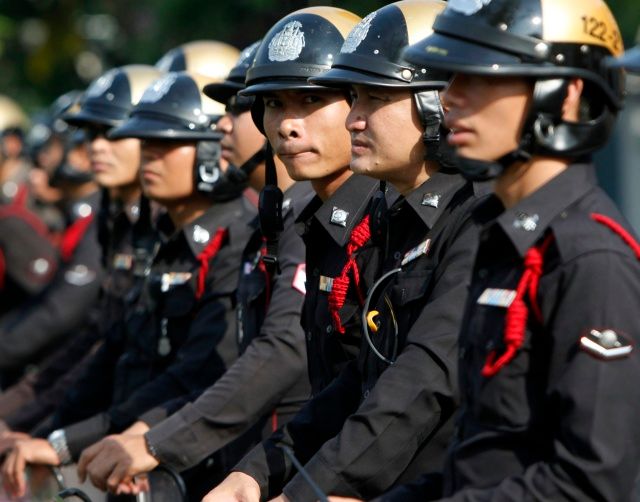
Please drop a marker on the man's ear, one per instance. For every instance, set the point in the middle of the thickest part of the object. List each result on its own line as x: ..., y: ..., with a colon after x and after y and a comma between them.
x: 571, y: 104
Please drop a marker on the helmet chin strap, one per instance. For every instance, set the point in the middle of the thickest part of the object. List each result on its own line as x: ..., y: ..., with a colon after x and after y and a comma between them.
x: 241, y: 174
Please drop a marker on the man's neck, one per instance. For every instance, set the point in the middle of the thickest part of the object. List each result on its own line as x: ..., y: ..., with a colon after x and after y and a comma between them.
x: 521, y: 180
x: 414, y: 176
x: 326, y: 187
x: 185, y: 211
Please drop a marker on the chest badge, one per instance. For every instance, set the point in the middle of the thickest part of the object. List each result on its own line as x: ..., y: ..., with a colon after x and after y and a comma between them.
x: 339, y: 217
x: 606, y: 344
x: 494, y: 297
x: 325, y: 284
x: 122, y: 261
x: 80, y: 275
x: 431, y: 199
x: 526, y: 222
x: 171, y: 279
x: 416, y: 252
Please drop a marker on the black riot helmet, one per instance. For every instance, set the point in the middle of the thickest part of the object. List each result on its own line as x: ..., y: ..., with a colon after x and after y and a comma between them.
x: 110, y: 98
x: 371, y: 55
x: 210, y: 58
x: 299, y: 46
x: 174, y: 108
x: 226, y: 93
x: 71, y: 137
x: 547, y: 41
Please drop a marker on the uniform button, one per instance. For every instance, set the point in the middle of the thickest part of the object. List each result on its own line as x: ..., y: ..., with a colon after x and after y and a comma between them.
x: 366, y: 394
x: 397, y: 255
x: 483, y: 273
x: 462, y: 352
x: 489, y: 345
x: 309, y: 336
x: 564, y: 214
x: 329, y: 328
x: 316, y: 272
x: 484, y: 237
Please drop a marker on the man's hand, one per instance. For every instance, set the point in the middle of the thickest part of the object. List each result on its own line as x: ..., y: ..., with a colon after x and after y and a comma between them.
x: 8, y: 439
x: 344, y: 499
x: 237, y: 487
x: 280, y: 498
x: 26, y: 451
x: 112, y: 463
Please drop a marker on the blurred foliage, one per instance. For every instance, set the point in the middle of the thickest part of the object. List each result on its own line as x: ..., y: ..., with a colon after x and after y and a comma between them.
x: 48, y: 47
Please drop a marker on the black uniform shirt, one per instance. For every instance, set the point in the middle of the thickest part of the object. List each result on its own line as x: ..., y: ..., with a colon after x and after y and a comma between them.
x: 559, y: 421
x: 325, y: 228
x: 404, y: 415
x: 174, y: 342
x: 270, y: 373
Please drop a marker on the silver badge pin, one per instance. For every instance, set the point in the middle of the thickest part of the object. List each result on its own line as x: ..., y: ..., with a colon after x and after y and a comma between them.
x: 99, y: 87
x: 288, y: 43
x: 40, y: 266
x: 494, y: 297
x: 526, y: 222
x: 286, y: 204
x: 200, y: 235
x: 170, y: 279
x: 605, y: 344
x: 431, y: 199
x: 358, y: 34
x: 339, y: 217
x: 80, y: 275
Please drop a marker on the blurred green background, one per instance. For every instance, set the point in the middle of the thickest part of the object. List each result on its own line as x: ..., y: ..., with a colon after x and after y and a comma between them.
x: 50, y: 46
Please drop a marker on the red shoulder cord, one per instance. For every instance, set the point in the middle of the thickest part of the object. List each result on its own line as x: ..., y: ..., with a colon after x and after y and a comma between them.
x: 517, y: 313
x: 73, y: 235
x: 206, y: 256
x: 359, y: 236
x: 267, y: 276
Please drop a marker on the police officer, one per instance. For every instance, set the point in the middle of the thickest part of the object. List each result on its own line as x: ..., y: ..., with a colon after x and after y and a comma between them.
x: 546, y: 348
x: 268, y: 383
x: 107, y: 103
x: 13, y: 166
x: 176, y: 337
x: 29, y: 331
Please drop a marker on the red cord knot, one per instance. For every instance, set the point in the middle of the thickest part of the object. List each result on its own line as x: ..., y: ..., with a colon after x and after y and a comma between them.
x: 358, y: 238
x: 205, y: 257
x: 518, y: 312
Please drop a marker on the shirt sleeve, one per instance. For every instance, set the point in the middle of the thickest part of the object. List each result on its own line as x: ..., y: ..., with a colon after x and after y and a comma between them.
x: 319, y: 420
x: 595, y: 409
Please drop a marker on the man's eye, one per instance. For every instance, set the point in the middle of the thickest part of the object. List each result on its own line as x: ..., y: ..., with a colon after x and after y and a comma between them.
x: 378, y: 97
x: 271, y: 103
x: 310, y: 99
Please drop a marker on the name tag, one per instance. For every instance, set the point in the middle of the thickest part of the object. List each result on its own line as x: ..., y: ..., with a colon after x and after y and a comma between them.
x: 497, y: 297
x: 122, y: 261
x: 326, y: 284
x: 416, y: 252
x: 170, y: 279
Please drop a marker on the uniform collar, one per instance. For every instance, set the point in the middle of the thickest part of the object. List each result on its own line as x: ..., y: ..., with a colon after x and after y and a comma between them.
x: 200, y: 231
x: 297, y: 197
x: 431, y: 198
x: 526, y: 222
x: 341, y: 212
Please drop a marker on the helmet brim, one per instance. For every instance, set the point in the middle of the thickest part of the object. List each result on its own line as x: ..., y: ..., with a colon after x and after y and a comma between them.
x: 82, y: 118
x: 345, y: 78
x: 279, y: 85
x: 222, y: 91
x: 150, y: 128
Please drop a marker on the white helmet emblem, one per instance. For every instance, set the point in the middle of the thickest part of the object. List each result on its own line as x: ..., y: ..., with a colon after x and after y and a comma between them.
x: 358, y: 34
x: 159, y: 88
x: 99, y: 87
x: 288, y: 43
x: 467, y: 7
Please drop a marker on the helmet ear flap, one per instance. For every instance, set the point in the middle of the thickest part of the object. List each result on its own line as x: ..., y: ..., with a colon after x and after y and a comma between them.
x: 257, y: 113
x: 207, y: 172
x: 434, y: 136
